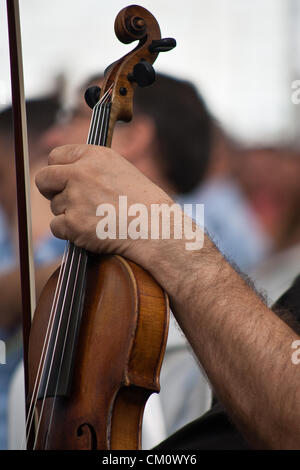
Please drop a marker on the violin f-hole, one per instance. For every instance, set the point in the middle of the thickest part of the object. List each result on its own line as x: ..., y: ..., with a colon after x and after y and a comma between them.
x: 87, y: 428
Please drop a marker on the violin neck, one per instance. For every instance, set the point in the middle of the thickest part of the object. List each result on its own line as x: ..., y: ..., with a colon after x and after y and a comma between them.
x: 99, y: 124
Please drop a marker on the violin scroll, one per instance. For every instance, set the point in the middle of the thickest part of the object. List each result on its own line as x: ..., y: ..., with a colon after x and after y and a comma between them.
x: 136, y: 23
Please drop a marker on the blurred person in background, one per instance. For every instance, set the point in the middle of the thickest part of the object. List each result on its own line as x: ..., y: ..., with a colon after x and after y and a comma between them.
x: 40, y: 115
x: 230, y: 219
x: 270, y: 179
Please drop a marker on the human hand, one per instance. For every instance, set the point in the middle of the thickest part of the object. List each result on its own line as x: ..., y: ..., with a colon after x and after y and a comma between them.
x: 81, y: 177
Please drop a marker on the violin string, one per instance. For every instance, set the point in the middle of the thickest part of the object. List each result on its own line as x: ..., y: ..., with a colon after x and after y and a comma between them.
x: 98, y: 117
x: 98, y: 111
x: 55, y: 299
x: 48, y: 378
x: 63, y: 350
x: 92, y: 122
x: 47, y: 339
x: 51, y: 316
x: 101, y: 118
x: 99, y: 128
x: 93, y: 127
x: 106, y: 121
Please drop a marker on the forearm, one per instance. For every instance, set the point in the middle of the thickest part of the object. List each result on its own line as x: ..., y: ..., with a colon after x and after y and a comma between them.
x: 244, y: 348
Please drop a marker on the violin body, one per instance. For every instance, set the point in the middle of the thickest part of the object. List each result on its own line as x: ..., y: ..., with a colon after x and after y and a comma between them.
x: 118, y: 359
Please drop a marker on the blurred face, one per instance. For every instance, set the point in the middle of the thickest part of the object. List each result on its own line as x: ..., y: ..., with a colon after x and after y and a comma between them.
x: 271, y: 181
x: 135, y: 141
x: 71, y: 130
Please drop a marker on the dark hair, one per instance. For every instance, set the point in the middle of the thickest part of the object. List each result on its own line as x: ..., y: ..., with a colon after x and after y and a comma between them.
x: 183, y: 124
x: 41, y: 114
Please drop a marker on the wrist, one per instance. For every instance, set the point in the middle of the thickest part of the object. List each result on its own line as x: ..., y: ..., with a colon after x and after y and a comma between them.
x: 182, y: 272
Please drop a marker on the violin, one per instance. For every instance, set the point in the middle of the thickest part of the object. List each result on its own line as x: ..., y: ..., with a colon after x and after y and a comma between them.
x: 99, y: 331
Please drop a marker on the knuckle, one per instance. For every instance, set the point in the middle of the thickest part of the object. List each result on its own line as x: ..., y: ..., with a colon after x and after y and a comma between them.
x: 56, y: 206
x: 75, y: 153
x: 40, y: 174
x: 58, y: 228
x: 79, y: 151
x: 38, y: 178
x: 54, y: 156
x: 72, y: 196
x: 65, y: 154
x: 41, y: 179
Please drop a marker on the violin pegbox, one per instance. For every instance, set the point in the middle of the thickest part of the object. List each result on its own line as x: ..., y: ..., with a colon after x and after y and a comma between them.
x: 133, y: 23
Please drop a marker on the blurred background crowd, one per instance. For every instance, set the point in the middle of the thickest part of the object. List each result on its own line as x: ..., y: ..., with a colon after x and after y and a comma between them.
x: 219, y: 127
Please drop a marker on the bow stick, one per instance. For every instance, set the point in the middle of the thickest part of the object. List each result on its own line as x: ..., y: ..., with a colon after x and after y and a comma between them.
x: 22, y: 176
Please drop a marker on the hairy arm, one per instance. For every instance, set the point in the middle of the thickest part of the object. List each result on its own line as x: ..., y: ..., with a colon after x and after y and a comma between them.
x: 243, y: 346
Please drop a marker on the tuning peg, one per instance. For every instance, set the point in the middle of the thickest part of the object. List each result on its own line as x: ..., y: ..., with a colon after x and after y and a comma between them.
x: 92, y: 96
x: 162, y: 45
x: 143, y: 74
